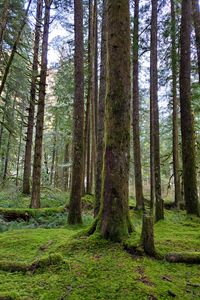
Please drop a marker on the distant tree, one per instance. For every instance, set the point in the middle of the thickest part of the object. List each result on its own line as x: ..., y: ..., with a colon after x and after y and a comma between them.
x: 136, y: 112
x: 36, y: 182
x: 174, y: 65
x: 31, y: 109
x: 154, y: 126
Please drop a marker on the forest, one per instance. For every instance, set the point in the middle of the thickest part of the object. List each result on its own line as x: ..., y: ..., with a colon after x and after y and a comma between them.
x: 99, y: 149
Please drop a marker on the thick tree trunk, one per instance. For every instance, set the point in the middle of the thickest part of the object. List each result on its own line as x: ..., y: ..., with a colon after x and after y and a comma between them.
x: 31, y: 110
x: 136, y: 109
x: 177, y: 182
x: 100, y: 119
x: 78, y: 153
x: 196, y: 18
x: 155, y: 134
x: 3, y: 23
x: 35, y: 199
x: 113, y: 221
x: 14, y: 48
x: 187, y: 122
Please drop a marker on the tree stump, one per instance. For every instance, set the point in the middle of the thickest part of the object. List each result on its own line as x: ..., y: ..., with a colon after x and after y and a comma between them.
x: 148, y: 235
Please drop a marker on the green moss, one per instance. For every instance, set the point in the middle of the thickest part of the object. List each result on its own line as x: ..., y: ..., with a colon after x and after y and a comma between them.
x: 92, y: 268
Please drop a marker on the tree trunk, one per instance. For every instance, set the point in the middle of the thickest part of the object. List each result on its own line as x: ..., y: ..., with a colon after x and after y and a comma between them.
x: 87, y: 140
x: 187, y: 122
x: 19, y: 148
x: 3, y: 23
x: 53, y: 158
x: 177, y: 182
x: 100, y: 119
x: 155, y: 135
x: 113, y: 221
x: 136, y: 109
x: 148, y: 235
x: 196, y: 18
x: 66, y: 168
x: 35, y: 199
x: 78, y: 153
x: 31, y: 111
x: 14, y: 48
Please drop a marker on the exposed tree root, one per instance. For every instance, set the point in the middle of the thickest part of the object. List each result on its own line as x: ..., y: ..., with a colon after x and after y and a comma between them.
x: 176, y: 257
x: 52, y: 259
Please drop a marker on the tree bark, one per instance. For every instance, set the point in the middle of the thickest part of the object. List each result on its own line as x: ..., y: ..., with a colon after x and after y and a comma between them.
x: 187, y: 122
x: 113, y: 221
x: 35, y: 197
x: 196, y: 18
x: 74, y: 216
x: 101, y: 112
x: 155, y: 134
x: 148, y: 235
x: 136, y: 109
x: 31, y: 110
x: 177, y: 182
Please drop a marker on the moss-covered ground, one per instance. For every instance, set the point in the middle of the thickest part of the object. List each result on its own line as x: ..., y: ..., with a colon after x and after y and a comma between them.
x: 90, y: 267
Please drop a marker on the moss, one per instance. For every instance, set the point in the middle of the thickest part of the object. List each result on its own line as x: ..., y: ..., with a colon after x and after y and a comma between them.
x: 94, y: 268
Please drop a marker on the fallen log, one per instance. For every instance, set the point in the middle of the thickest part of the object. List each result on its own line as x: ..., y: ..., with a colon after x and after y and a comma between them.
x: 184, y: 257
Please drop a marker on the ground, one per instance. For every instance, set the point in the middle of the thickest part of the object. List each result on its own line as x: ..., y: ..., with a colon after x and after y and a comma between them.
x: 89, y: 267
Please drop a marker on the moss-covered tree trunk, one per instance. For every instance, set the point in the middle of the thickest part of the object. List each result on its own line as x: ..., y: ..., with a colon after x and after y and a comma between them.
x: 136, y: 108
x: 100, y: 119
x: 113, y: 220
x: 187, y: 122
x: 31, y: 109
x: 177, y: 182
x: 155, y: 134
x: 37, y: 162
x: 77, y: 169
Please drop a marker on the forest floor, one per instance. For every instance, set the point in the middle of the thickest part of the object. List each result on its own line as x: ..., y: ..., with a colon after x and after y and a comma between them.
x: 44, y: 258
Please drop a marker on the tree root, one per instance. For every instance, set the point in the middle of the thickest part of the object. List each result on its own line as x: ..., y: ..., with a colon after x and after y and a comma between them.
x: 51, y: 259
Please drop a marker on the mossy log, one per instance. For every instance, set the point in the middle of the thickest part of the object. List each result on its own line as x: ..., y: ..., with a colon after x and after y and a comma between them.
x: 52, y: 259
x: 184, y: 257
x: 10, y: 214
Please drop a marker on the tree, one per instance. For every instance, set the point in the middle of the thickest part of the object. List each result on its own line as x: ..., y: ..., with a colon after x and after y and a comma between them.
x: 113, y: 221
x: 136, y: 108
x: 187, y: 122
x: 177, y: 183
x: 31, y: 110
x: 101, y: 112
x: 154, y: 114
x: 14, y: 48
x: 35, y: 197
x: 77, y: 169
